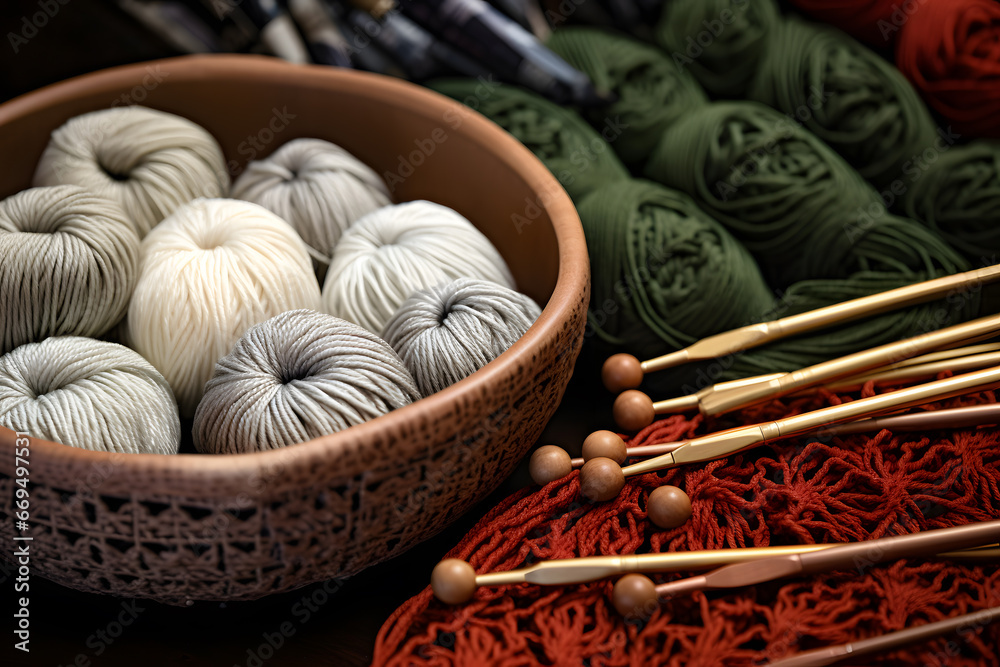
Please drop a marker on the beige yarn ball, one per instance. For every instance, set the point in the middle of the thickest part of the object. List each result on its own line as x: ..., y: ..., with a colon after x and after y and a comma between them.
x: 148, y: 161
x: 208, y: 273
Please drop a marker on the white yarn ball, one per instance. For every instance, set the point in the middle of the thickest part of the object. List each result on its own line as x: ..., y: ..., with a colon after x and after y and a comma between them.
x: 391, y: 253
x: 450, y: 331
x: 150, y: 162
x: 318, y: 188
x: 89, y: 394
x: 207, y: 274
x: 298, y: 376
x: 68, y: 264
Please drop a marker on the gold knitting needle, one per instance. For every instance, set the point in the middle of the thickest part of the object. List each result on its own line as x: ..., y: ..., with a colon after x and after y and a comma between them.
x: 601, y: 478
x: 634, y: 410
x: 848, y: 365
x: 831, y: 655
x: 454, y: 581
x: 636, y: 594
x: 928, y: 420
x: 622, y: 371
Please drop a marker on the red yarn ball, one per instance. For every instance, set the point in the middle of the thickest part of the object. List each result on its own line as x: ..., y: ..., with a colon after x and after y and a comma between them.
x: 874, y: 21
x: 950, y: 50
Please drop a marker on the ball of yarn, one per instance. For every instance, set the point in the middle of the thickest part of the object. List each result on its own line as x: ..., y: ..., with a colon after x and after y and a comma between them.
x: 447, y: 332
x: 948, y: 49
x: 847, y: 95
x: 318, y: 188
x: 210, y: 271
x: 721, y: 41
x: 391, y: 253
x: 874, y: 21
x: 298, y: 376
x: 802, y: 210
x: 652, y: 91
x: 664, y: 274
x: 575, y: 154
x: 68, y: 265
x: 958, y: 195
x: 89, y: 394
x: 150, y: 162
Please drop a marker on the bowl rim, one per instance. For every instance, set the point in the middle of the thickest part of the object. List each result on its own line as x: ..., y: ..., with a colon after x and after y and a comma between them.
x: 571, y: 280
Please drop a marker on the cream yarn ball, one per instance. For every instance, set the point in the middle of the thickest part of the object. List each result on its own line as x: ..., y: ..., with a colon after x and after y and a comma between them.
x: 207, y: 273
x: 298, y: 376
x: 318, y: 188
x: 391, y: 253
x: 450, y: 331
x: 148, y: 161
x: 89, y: 394
x: 68, y: 263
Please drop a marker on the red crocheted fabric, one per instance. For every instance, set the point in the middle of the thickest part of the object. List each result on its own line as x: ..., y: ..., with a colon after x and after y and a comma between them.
x: 800, y: 491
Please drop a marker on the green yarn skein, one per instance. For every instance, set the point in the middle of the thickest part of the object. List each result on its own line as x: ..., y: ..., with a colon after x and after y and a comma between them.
x: 652, y: 92
x: 721, y: 41
x: 562, y: 140
x: 802, y: 210
x: 664, y: 274
x: 957, y: 193
x: 847, y: 95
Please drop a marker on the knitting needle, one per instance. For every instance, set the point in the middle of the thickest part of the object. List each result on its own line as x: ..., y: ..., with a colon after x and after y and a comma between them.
x: 550, y: 462
x: 631, y: 410
x: 833, y: 654
x: 635, y: 594
x: 453, y: 581
x: 973, y: 415
x: 601, y: 479
x: 623, y: 371
x: 634, y: 410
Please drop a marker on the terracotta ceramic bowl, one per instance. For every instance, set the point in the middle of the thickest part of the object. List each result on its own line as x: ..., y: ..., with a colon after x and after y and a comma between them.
x: 198, y: 527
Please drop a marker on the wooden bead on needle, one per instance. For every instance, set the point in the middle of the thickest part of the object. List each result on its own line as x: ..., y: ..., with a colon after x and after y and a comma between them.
x: 633, y: 410
x: 601, y: 479
x: 620, y: 372
x: 634, y: 596
x: 548, y: 464
x: 668, y: 507
x: 453, y: 581
x: 605, y: 444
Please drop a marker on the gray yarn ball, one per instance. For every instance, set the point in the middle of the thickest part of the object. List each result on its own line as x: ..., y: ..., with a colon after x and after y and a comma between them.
x: 449, y: 331
x: 89, y: 394
x: 150, y: 162
x: 298, y: 376
x: 318, y: 188
x: 68, y: 265
x: 391, y: 253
